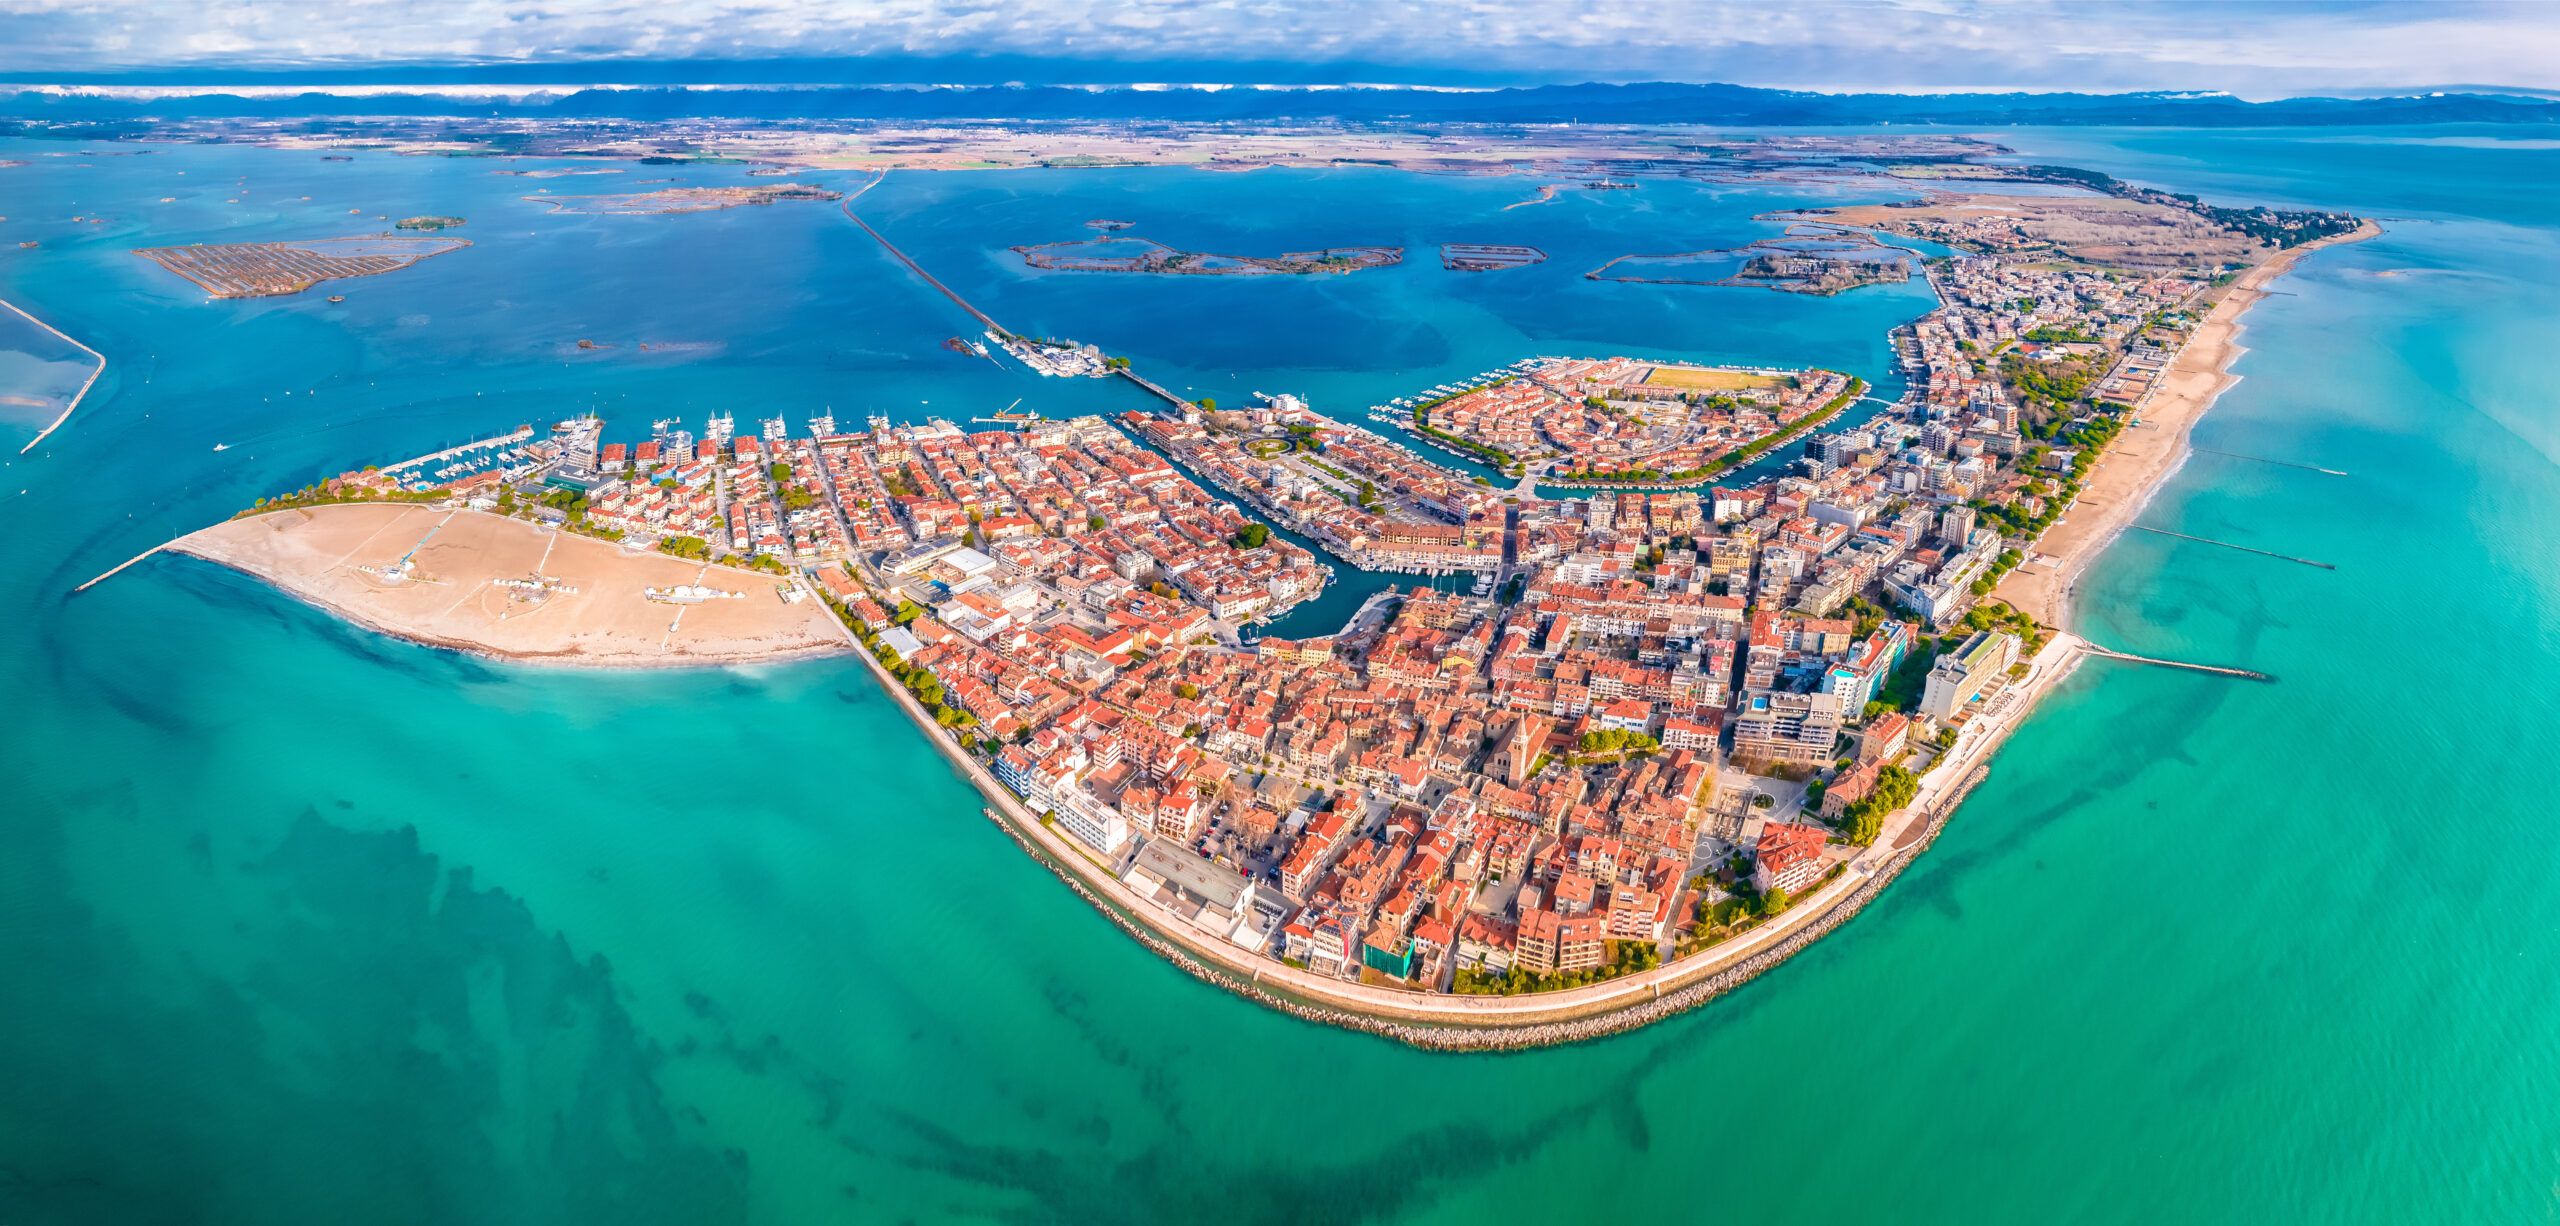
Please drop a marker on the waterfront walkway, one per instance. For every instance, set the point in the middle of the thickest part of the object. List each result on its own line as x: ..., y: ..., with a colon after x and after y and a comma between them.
x: 1449, y: 1021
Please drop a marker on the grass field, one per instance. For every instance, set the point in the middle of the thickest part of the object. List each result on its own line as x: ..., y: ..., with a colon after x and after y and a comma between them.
x: 1705, y: 380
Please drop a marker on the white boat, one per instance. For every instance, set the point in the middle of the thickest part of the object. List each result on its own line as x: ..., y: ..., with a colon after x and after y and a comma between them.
x: 222, y: 446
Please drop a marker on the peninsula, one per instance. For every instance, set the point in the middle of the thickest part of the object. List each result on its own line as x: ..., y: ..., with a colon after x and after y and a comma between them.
x: 491, y: 585
x: 1653, y: 741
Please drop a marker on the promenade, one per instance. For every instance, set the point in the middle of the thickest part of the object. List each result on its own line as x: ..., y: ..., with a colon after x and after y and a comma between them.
x: 1452, y: 1022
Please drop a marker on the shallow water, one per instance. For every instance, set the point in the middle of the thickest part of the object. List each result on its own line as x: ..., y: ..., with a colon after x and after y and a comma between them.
x: 304, y: 924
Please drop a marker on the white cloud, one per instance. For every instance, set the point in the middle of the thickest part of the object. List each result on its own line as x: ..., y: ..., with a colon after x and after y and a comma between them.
x: 2255, y: 48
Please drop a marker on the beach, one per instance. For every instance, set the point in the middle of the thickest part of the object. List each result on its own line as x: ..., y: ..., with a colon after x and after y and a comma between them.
x: 456, y: 595
x: 2142, y: 457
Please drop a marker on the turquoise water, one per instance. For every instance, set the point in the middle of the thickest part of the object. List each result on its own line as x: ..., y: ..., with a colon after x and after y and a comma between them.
x: 305, y: 925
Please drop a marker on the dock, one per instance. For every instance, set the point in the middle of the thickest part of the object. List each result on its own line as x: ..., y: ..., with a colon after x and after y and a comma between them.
x: 2245, y: 674
x: 2264, y: 553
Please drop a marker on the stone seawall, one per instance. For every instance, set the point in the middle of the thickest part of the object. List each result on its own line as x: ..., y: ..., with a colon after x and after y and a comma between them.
x: 1512, y: 1038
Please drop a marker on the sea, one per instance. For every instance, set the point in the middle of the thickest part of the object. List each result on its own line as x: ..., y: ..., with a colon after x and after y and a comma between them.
x: 301, y: 924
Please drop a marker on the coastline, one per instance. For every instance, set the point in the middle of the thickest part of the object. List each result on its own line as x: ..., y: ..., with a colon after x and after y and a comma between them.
x: 1446, y: 1022
x: 2142, y: 459
x: 2123, y: 480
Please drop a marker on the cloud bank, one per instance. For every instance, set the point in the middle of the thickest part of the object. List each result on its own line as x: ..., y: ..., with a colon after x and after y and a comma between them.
x: 2256, y: 48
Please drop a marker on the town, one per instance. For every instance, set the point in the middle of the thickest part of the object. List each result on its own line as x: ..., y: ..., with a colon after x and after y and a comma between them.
x: 1638, y: 723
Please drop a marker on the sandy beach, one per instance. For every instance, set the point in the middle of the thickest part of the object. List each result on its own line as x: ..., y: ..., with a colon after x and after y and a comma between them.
x: 454, y: 597
x: 2141, y: 458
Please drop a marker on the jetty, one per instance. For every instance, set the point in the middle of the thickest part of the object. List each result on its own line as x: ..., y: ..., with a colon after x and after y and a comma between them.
x: 2314, y: 468
x: 76, y: 397
x: 2264, y: 553
x: 118, y: 569
x: 2245, y: 674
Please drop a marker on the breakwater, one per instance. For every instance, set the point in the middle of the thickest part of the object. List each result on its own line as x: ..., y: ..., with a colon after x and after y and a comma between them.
x: 86, y: 385
x: 1538, y: 1034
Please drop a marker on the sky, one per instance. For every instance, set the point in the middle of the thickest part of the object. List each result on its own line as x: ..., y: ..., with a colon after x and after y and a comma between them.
x: 2255, y: 48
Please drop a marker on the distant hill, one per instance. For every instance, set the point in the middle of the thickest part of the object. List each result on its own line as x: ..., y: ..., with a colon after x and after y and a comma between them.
x: 1655, y: 103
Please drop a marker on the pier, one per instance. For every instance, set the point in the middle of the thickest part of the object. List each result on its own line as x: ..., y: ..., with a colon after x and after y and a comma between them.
x: 2314, y: 468
x: 2218, y: 670
x: 459, y: 451
x: 2264, y: 553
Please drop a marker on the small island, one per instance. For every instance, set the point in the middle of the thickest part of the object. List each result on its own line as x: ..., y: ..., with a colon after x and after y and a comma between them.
x: 266, y: 270
x: 428, y: 223
x: 1811, y: 258
x: 1487, y: 257
x: 684, y: 199
x: 1133, y: 254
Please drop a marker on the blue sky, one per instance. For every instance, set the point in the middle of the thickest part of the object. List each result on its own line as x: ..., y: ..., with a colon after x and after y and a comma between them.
x: 2255, y: 48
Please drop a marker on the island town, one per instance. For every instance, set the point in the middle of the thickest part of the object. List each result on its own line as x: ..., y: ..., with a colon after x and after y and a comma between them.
x: 1607, y: 733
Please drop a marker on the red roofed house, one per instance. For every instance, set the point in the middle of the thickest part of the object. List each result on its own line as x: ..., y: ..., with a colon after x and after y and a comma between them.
x: 1790, y: 857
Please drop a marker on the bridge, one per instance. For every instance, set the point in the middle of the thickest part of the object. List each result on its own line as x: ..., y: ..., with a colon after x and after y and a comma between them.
x: 1152, y: 386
